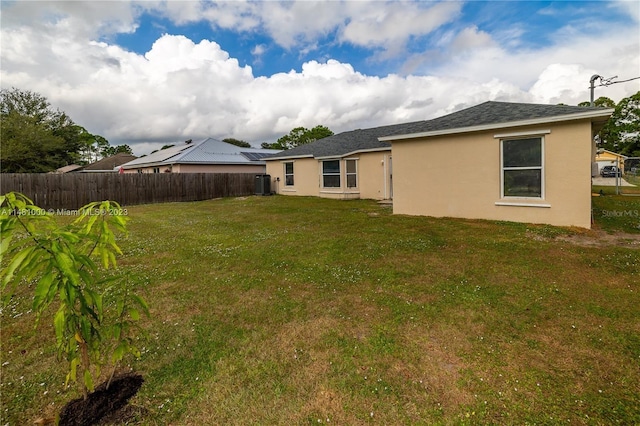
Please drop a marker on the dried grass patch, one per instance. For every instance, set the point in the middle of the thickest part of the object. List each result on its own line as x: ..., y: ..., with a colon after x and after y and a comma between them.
x: 432, y: 362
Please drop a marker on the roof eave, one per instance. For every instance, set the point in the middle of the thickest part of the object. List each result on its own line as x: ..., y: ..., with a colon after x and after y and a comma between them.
x: 358, y: 151
x: 291, y: 157
x: 221, y: 163
x: 141, y: 165
x: 605, y: 114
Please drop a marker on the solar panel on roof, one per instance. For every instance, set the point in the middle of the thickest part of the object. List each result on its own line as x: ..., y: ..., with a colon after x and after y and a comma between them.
x: 255, y: 156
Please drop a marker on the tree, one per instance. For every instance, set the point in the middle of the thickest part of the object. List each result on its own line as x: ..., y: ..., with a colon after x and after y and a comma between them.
x: 113, y: 150
x: 33, y: 134
x: 621, y: 133
x: 92, y: 147
x: 36, y: 138
x: 236, y: 142
x: 602, y: 101
x: 299, y: 136
x: 67, y: 264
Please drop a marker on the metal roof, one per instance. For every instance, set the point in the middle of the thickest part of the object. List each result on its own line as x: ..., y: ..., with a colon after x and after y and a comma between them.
x: 208, y: 151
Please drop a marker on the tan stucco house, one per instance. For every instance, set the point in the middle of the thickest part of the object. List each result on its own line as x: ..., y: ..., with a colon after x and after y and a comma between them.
x: 207, y: 156
x: 497, y: 160
x: 349, y: 165
x: 516, y: 162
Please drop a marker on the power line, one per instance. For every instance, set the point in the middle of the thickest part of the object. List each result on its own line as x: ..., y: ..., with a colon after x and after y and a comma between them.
x: 608, y: 82
x: 604, y: 82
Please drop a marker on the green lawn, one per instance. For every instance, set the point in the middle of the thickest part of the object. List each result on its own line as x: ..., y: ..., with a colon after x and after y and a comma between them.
x: 291, y: 310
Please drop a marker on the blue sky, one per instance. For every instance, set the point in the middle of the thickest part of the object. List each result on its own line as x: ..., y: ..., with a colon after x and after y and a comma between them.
x: 521, y: 24
x: 151, y: 72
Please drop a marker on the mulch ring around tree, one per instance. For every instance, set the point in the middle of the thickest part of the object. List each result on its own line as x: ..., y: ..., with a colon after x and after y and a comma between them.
x: 103, y: 403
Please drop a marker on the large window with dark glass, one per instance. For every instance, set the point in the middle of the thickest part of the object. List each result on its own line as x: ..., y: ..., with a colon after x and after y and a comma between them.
x: 522, y: 168
x: 288, y: 174
x: 331, y: 174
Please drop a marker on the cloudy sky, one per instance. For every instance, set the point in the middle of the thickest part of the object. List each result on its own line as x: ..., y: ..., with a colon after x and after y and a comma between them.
x: 146, y: 73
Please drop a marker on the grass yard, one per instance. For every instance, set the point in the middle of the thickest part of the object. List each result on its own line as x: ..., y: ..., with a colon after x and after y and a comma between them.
x: 293, y: 311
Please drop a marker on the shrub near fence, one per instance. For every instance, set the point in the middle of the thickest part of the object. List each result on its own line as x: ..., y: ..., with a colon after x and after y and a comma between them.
x: 74, y: 190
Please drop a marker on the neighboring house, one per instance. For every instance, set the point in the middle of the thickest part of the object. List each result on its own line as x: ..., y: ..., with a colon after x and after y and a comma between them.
x: 68, y: 169
x: 609, y: 158
x: 497, y: 160
x: 106, y: 165
x: 109, y: 164
x: 207, y: 156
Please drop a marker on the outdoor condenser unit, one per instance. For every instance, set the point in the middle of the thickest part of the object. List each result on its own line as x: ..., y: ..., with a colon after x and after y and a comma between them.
x: 263, y: 184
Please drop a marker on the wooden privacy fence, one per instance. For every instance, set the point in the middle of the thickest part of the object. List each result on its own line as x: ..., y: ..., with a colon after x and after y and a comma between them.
x: 74, y: 190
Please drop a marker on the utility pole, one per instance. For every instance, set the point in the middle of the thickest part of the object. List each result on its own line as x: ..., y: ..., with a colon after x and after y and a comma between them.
x: 604, y: 82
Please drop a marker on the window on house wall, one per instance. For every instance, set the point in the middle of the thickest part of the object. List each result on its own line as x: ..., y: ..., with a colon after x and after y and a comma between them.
x: 351, y: 173
x: 522, y: 167
x: 331, y: 174
x: 156, y: 170
x: 288, y: 174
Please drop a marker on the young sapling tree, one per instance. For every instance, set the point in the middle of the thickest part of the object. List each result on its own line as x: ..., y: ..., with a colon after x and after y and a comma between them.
x: 68, y: 263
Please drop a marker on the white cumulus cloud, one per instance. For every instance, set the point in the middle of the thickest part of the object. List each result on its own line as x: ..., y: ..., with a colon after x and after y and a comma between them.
x: 189, y: 89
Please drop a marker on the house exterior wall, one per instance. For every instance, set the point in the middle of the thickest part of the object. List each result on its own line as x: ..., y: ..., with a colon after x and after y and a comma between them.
x: 373, y: 175
x: 308, y: 177
x: 460, y: 176
x: 305, y: 176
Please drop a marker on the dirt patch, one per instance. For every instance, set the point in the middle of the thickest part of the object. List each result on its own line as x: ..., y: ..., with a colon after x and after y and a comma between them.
x: 596, y: 238
x: 101, y: 403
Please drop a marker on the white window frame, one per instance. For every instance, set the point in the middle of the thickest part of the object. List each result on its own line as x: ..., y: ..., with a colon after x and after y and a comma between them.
x: 521, y: 136
x: 286, y: 182
x: 339, y: 173
x: 347, y: 174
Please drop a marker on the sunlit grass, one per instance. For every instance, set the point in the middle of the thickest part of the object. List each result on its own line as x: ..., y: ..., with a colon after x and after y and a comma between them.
x: 291, y: 310
x: 613, y: 212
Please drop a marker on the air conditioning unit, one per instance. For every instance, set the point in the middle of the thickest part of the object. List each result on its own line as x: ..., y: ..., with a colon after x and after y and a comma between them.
x: 263, y: 184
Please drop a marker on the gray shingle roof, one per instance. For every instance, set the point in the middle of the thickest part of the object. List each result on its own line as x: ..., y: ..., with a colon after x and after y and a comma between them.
x: 487, y: 113
x: 110, y: 163
x: 340, y: 144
